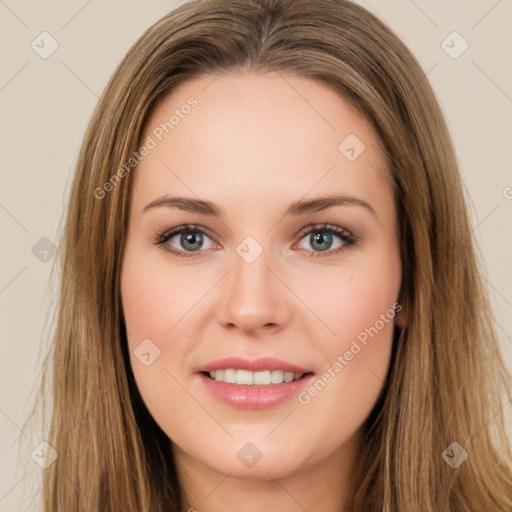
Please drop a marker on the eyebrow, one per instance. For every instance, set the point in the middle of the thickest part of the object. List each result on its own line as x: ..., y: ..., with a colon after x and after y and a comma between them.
x: 296, y: 208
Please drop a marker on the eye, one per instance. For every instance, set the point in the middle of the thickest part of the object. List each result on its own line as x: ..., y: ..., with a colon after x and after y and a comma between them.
x: 187, y: 241
x: 322, y: 236
x: 189, y: 238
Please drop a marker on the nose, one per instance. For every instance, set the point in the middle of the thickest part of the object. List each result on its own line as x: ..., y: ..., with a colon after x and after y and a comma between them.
x: 254, y: 297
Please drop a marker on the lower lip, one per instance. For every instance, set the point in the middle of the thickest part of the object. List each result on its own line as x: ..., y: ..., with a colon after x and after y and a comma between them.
x: 254, y: 397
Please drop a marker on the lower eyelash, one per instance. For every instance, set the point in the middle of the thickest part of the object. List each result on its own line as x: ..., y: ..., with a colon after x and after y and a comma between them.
x: 349, y: 240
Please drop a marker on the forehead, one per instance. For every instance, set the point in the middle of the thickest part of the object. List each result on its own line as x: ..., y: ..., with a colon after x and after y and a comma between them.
x: 249, y: 135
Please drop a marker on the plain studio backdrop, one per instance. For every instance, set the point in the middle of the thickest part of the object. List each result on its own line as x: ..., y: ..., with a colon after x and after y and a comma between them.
x: 56, y: 59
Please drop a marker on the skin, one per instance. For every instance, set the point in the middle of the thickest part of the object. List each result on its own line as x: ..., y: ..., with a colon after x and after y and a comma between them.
x: 254, y: 144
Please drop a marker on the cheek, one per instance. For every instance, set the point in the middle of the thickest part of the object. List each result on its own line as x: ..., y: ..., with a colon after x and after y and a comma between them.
x: 353, y: 302
x: 145, y: 305
x: 359, y: 308
x: 155, y: 296
x: 154, y: 301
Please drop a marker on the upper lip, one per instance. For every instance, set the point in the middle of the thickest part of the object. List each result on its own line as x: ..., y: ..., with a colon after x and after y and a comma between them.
x: 254, y: 365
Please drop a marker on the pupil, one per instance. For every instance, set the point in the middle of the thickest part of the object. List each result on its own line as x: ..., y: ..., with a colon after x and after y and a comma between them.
x: 189, y: 239
x: 322, y: 237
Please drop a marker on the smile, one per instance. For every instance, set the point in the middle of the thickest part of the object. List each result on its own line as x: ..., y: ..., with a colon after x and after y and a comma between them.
x: 250, y: 378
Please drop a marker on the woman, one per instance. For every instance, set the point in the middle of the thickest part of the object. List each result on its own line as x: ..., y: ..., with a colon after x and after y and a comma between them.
x: 210, y: 351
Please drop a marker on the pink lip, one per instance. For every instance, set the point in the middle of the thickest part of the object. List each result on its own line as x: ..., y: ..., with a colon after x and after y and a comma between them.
x: 254, y: 397
x: 254, y: 365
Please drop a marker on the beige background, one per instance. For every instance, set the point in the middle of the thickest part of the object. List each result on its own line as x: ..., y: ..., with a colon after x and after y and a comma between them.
x: 46, y: 103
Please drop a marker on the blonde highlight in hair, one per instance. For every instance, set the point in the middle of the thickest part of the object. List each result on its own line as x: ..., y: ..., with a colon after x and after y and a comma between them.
x: 447, y: 381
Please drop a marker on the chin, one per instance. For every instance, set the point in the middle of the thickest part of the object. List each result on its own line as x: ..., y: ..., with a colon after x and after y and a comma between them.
x: 252, y: 457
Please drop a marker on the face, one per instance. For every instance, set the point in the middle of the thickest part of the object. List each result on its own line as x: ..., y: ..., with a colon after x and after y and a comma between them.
x: 251, y: 277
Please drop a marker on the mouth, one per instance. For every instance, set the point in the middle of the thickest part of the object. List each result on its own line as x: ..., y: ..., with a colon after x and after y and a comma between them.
x: 241, y: 377
x: 254, y: 383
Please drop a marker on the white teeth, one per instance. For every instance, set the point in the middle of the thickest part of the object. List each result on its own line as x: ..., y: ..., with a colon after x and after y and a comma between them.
x: 244, y: 377
x: 248, y: 378
x: 277, y: 376
x: 288, y: 376
x: 262, y: 378
x: 229, y: 376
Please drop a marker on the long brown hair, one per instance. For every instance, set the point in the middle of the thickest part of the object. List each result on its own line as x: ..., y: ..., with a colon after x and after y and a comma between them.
x: 447, y: 383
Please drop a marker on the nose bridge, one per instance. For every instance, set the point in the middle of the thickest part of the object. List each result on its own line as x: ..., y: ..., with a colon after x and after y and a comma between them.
x: 251, y: 267
x: 253, y: 296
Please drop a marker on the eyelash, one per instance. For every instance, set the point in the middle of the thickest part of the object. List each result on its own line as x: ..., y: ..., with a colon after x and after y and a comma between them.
x: 348, y: 239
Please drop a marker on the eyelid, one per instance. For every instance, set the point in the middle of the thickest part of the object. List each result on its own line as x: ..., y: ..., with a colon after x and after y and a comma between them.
x: 325, y: 227
x: 185, y: 227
